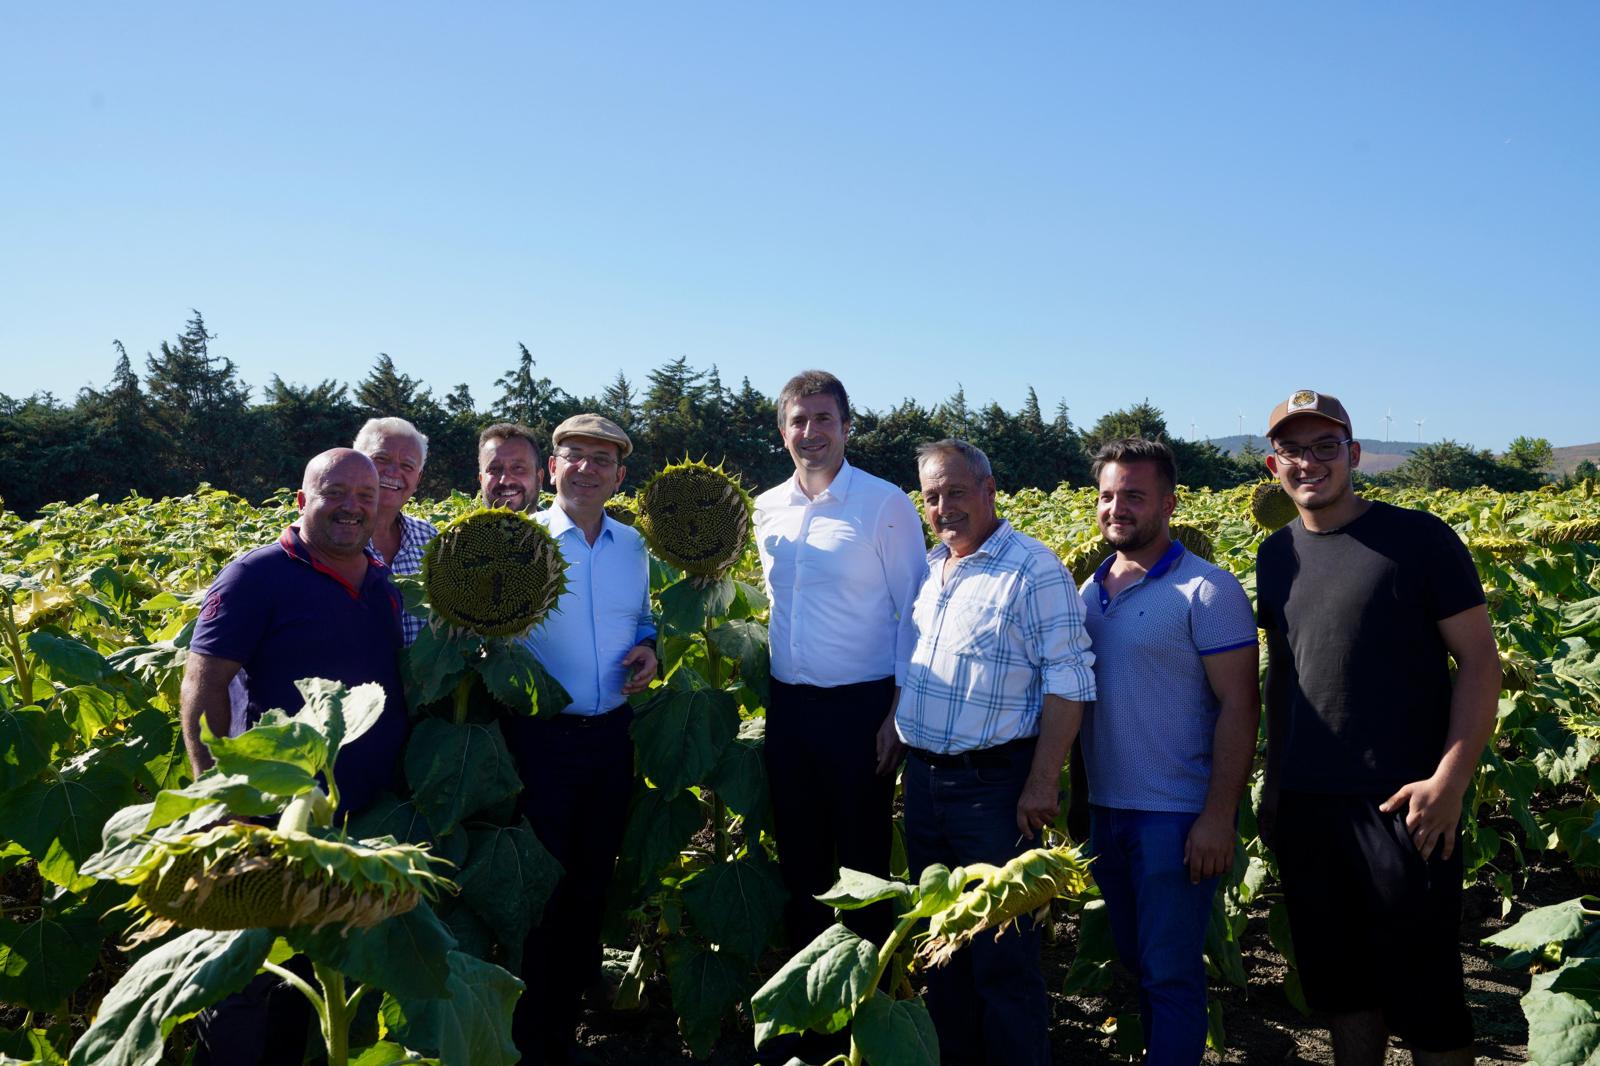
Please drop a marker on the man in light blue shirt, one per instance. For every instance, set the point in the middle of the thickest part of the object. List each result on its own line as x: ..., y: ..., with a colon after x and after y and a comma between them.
x: 577, y: 766
x: 1168, y: 741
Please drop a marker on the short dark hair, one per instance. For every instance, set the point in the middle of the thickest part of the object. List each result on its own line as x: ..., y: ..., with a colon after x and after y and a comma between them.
x: 508, y: 431
x: 1137, y: 450
x: 813, y: 383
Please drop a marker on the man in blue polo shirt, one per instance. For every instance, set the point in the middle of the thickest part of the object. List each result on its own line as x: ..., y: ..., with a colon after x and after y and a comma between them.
x: 1168, y: 741
x: 314, y: 604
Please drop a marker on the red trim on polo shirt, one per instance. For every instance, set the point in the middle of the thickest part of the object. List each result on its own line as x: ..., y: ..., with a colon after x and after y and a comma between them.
x: 295, y: 546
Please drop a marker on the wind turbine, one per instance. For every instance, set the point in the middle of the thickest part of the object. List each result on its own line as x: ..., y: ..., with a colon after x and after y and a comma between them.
x: 1419, y: 429
x: 1241, y: 423
x: 1194, y: 431
x: 1388, y: 417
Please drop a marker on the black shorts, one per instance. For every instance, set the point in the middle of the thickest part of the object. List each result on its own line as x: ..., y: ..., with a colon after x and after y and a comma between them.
x: 1375, y: 927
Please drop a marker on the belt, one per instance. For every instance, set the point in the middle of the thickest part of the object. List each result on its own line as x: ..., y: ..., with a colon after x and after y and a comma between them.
x: 998, y: 755
x: 589, y: 721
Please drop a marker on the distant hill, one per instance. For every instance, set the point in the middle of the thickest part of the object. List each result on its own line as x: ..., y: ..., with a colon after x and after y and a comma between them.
x: 1566, y: 459
x: 1379, y: 456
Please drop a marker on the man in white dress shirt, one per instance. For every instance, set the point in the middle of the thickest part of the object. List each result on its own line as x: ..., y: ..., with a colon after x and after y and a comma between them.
x: 842, y: 552
x: 577, y: 766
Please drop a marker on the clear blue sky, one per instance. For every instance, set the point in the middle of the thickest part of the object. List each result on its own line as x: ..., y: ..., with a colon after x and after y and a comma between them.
x: 1205, y: 205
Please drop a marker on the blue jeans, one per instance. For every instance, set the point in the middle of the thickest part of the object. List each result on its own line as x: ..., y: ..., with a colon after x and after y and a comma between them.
x: 1159, y: 920
x: 988, y: 1002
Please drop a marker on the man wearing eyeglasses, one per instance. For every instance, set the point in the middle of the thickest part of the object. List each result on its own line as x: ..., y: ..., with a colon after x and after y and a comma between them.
x: 1370, y: 747
x: 577, y: 766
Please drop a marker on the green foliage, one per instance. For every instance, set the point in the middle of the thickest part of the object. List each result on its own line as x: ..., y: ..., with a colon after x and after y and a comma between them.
x: 1563, y: 1004
x: 96, y: 602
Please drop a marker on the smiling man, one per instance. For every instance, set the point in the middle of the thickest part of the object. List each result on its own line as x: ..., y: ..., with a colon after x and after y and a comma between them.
x: 1167, y: 743
x: 577, y: 765
x: 509, y: 474
x: 1370, y: 745
x: 399, y: 451
x: 313, y: 604
x: 994, y: 689
x: 842, y: 552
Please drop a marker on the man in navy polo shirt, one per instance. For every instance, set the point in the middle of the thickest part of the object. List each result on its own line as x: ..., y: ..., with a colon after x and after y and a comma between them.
x: 314, y: 604
x: 1168, y: 741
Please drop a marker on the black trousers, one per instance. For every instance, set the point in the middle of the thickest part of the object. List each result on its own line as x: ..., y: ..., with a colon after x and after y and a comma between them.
x: 577, y: 774
x: 830, y: 807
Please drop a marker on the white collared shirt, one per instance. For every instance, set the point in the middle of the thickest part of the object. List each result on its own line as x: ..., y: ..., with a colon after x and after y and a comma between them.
x: 1002, y: 629
x: 603, y: 614
x: 841, y: 570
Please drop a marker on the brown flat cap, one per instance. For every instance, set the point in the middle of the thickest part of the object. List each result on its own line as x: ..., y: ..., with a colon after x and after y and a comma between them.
x: 597, y: 426
x: 1309, y: 402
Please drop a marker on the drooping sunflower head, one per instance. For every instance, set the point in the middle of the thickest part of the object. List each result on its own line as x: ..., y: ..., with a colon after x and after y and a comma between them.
x: 495, y: 572
x: 238, y: 876
x: 1194, y: 539
x: 697, y: 518
x: 1001, y: 895
x: 1579, y: 529
x: 1271, y: 507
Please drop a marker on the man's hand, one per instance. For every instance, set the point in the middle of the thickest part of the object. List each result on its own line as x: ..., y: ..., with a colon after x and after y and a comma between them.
x: 1038, y: 806
x: 640, y: 662
x: 1208, y: 852
x: 890, y: 748
x: 1433, y: 811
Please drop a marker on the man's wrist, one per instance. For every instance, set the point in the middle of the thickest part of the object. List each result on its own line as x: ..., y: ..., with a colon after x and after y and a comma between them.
x: 647, y: 642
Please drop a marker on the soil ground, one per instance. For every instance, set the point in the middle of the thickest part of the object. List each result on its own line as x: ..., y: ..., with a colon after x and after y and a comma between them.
x: 1261, y: 1025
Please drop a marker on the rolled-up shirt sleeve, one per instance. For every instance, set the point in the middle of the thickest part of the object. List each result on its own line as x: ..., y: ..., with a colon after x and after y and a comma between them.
x: 1053, y: 626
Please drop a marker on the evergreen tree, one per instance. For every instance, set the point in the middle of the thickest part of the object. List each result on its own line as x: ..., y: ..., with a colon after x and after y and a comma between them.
x: 302, y: 421
x: 620, y: 403
x: 200, y: 409
x: 123, y: 444
x: 669, y: 418
x: 536, y: 402
x: 458, y: 403
x: 385, y: 393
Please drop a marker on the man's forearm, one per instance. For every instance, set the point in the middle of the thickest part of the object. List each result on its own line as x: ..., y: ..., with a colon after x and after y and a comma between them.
x: 1058, y: 726
x: 1473, y: 703
x: 204, y: 695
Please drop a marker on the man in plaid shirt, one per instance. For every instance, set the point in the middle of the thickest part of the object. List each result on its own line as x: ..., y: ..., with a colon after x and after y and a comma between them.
x: 992, y: 699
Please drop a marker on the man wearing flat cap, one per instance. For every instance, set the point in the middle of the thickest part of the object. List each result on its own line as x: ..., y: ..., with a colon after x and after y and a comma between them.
x: 1370, y: 745
x: 577, y: 766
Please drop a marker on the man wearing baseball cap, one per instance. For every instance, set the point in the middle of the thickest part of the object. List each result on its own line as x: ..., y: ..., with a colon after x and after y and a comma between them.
x: 1370, y: 746
x: 577, y: 766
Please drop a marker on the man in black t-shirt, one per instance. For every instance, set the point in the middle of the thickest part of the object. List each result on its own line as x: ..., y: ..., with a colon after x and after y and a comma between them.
x: 1370, y: 746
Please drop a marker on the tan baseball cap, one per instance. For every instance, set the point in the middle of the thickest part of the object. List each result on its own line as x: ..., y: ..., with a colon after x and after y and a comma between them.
x: 1310, y: 402
x: 597, y: 426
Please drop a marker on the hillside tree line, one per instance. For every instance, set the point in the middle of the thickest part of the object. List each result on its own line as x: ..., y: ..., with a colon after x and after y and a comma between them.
x: 190, y: 418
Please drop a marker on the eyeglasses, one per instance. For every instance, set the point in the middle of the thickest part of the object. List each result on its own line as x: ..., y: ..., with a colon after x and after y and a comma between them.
x: 1323, y: 451
x: 602, y: 463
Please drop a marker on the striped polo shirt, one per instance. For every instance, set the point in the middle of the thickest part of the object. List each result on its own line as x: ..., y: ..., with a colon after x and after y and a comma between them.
x: 1147, y: 739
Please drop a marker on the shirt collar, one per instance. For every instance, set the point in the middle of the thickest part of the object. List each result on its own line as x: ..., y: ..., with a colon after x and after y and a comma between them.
x: 295, y: 547
x: 992, y: 544
x: 560, y: 522
x: 838, y: 488
x: 1168, y: 560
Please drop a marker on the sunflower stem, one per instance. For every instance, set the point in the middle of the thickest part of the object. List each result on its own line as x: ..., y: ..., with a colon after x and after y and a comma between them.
x: 719, y: 810
x: 19, y: 661
x: 462, y: 694
x: 886, y: 955
x: 336, y: 1014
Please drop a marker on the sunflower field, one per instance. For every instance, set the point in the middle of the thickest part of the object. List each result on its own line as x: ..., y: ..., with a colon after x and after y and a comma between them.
x: 97, y: 601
